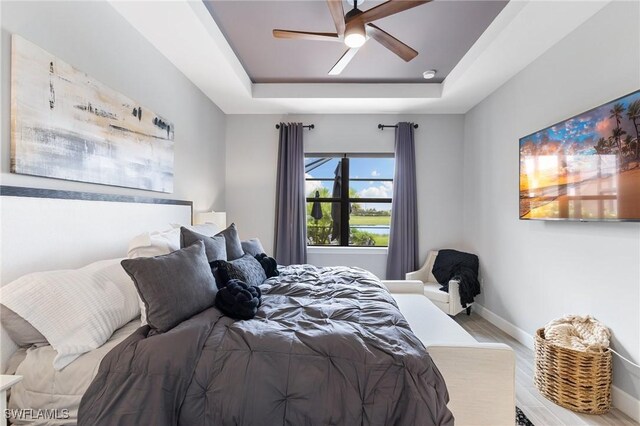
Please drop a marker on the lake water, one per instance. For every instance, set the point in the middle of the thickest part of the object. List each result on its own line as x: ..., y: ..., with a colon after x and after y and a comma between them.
x: 373, y: 229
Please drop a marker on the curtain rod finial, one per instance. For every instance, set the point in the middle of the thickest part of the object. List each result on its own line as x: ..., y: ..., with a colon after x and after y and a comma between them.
x: 310, y: 126
x: 383, y: 126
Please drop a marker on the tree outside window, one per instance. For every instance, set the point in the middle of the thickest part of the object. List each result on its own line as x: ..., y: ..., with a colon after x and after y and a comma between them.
x: 349, y: 199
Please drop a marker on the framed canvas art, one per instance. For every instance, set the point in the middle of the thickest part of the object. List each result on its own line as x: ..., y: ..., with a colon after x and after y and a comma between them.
x: 67, y: 125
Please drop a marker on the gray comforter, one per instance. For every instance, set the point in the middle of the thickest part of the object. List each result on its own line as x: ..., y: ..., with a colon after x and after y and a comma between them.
x: 328, y: 347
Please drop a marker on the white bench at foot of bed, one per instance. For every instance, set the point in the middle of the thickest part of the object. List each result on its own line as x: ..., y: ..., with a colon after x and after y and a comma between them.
x: 480, y: 377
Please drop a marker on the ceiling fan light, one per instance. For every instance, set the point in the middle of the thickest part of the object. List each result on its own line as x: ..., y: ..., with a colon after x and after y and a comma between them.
x: 354, y: 40
x: 355, y: 35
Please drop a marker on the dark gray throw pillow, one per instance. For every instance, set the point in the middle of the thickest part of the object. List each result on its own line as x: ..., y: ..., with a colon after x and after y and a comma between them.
x: 173, y: 287
x: 252, y: 247
x: 232, y: 239
x: 246, y: 269
x: 215, y: 247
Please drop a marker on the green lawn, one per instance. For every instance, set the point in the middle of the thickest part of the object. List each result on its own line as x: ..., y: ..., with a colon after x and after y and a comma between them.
x: 381, y: 240
x: 370, y: 220
x: 319, y: 235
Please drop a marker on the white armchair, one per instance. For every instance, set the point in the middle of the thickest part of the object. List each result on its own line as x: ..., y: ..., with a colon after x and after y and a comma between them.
x: 447, y: 302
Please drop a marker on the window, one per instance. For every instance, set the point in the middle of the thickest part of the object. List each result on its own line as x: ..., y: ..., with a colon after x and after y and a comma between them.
x: 349, y: 199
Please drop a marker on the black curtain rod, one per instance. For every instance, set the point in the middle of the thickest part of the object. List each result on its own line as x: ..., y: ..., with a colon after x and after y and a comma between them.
x: 308, y: 126
x: 383, y: 126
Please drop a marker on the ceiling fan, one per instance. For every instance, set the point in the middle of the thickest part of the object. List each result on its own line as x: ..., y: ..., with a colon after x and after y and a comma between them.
x: 354, y: 28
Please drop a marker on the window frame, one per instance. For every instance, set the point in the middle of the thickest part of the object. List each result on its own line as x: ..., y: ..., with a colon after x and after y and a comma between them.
x: 344, y: 200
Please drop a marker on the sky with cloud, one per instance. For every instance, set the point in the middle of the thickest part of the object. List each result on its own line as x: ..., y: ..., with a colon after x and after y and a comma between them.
x: 578, y: 135
x: 361, y: 168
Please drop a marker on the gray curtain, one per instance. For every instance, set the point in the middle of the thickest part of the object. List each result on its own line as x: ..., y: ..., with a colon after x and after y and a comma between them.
x: 403, y: 241
x: 291, y: 211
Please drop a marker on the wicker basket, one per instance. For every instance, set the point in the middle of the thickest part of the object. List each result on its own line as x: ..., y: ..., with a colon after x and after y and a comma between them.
x: 579, y: 381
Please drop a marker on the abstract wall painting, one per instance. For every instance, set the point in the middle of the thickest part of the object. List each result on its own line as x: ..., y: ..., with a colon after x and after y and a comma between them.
x: 67, y: 125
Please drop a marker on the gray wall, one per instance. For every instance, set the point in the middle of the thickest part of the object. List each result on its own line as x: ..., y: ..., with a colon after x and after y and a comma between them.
x: 95, y: 39
x: 536, y: 271
x: 252, y: 146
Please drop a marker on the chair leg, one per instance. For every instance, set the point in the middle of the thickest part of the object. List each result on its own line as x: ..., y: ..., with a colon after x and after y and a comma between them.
x: 468, y: 310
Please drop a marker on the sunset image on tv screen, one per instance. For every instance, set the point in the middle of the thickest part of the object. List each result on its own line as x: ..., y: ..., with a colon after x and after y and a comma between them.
x: 586, y: 167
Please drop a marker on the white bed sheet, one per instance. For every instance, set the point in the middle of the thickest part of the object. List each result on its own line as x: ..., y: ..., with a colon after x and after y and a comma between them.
x: 44, y: 388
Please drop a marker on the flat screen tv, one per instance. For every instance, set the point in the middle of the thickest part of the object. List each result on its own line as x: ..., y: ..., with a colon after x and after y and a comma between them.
x: 586, y: 168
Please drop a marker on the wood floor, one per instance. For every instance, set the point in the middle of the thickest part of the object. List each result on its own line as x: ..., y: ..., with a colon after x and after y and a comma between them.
x: 537, y: 408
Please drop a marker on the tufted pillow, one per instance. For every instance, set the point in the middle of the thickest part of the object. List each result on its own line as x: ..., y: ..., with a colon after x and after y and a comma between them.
x: 246, y: 269
x: 215, y: 246
x: 239, y: 300
x: 232, y: 240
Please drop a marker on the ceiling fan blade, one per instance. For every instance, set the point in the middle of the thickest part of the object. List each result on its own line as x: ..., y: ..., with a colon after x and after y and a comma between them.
x: 391, y: 43
x: 343, y: 61
x: 389, y: 8
x: 306, y: 35
x: 337, y: 13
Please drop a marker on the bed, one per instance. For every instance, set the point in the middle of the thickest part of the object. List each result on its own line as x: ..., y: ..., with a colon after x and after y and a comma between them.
x: 328, y: 346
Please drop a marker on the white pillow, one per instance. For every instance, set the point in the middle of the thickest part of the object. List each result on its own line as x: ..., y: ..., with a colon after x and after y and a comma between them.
x: 76, y: 310
x: 154, y: 243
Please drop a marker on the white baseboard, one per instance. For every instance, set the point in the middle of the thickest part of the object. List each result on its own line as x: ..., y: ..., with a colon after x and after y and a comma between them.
x: 517, y: 333
x: 625, y: 403
x: 620, y: 399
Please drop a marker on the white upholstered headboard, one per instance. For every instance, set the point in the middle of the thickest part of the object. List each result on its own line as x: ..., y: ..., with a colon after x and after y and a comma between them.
x: 43, y: 229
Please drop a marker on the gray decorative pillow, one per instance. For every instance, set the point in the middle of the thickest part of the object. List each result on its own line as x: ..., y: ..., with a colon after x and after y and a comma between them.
x: 234, y: 246
x: 246, y: 269
x: 252, y: 247
x: 173, y: 287
x: 215, y: 247
x: 19, y: 329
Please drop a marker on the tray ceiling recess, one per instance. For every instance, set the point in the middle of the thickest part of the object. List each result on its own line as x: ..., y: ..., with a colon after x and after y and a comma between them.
x: 227, y: 49
x: 355, y: 28
x: 351, y: 42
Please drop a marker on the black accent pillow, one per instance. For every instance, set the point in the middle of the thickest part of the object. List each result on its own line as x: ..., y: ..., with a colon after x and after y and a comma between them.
x: 215, y: 247
x: 233, y: 243
x: 239, y: 300
x: 173, y: 287
x: 269, y: 265
x: 224, y: 272
x: 246, y: 269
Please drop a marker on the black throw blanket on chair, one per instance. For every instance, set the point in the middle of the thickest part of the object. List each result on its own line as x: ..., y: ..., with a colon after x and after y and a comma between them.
x: 463, y: 267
